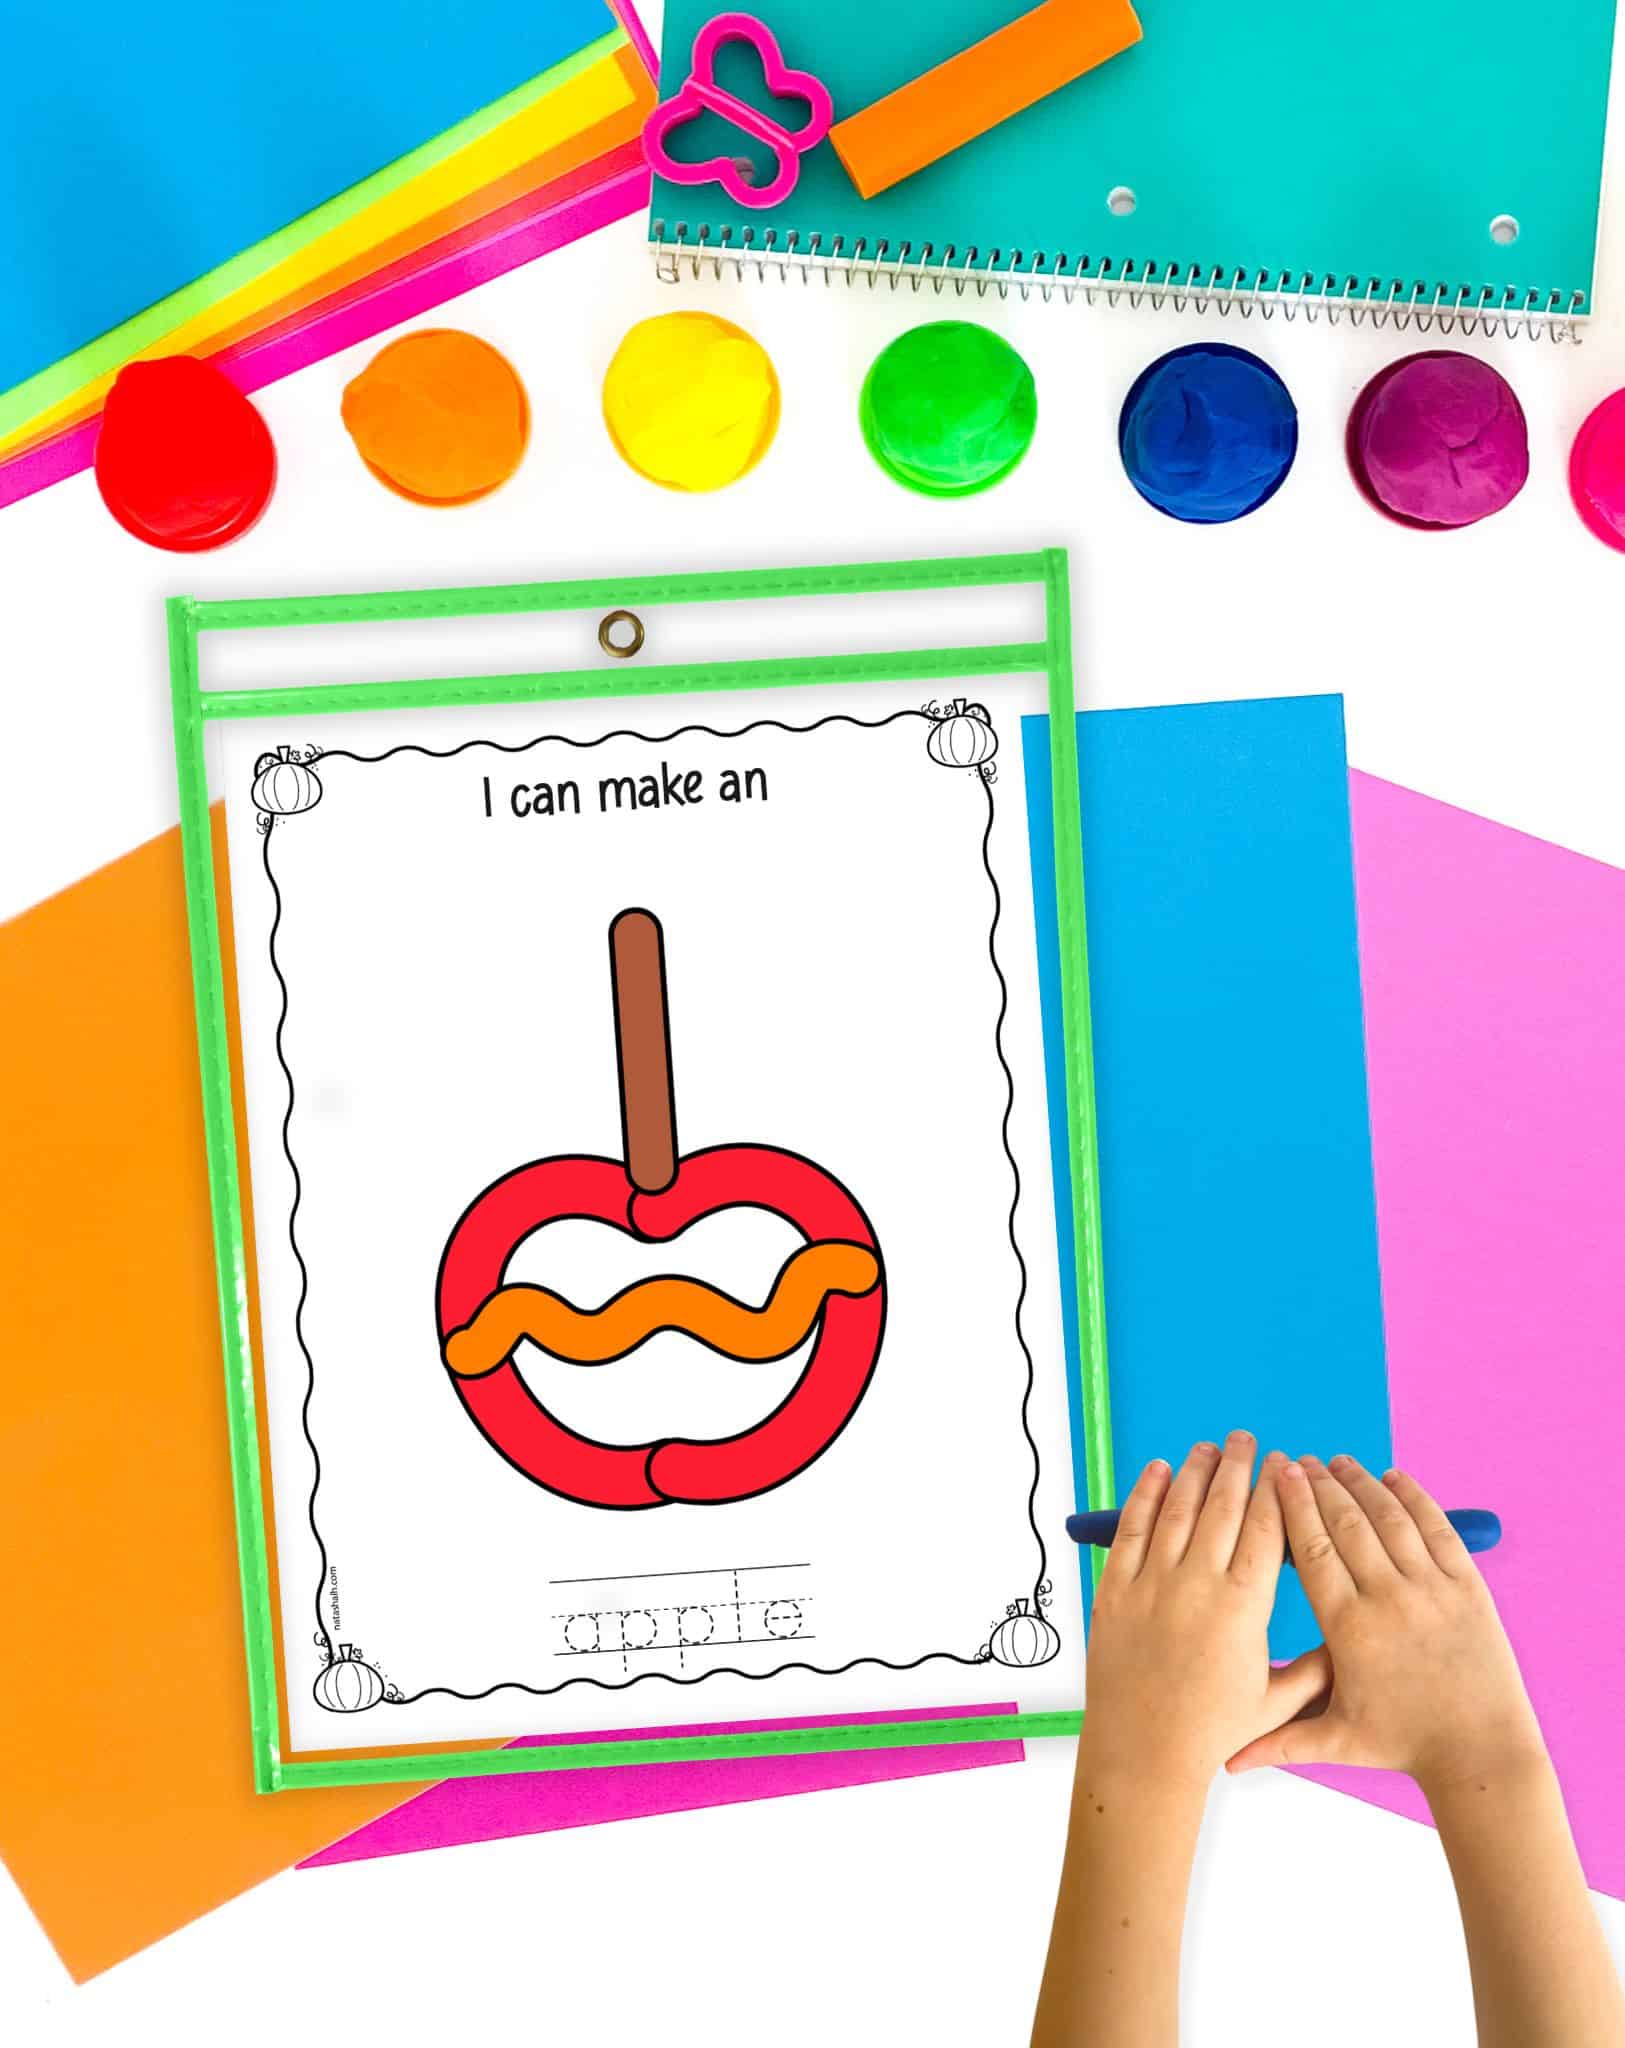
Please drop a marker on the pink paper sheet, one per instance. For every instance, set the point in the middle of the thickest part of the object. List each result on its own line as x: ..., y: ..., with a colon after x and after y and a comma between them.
x: 1494, y: 975
x: 1494, y: 972
x: 490, y: 1809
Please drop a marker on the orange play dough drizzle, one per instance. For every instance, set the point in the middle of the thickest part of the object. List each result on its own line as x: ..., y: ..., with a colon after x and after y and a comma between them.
x: 594, y: 1336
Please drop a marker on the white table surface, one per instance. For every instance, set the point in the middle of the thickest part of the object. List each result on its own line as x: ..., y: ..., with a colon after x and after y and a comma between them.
x: 1483, y: 668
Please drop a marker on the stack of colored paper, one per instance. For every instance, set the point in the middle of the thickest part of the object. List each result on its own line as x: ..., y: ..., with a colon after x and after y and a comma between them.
x: 265, y: 194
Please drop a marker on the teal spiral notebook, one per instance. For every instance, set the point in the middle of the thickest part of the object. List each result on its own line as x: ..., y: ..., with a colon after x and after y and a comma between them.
x: 1431, y: 160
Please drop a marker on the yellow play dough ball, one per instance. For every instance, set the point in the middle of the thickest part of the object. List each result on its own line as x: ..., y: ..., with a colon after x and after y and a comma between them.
x: 691, y: 401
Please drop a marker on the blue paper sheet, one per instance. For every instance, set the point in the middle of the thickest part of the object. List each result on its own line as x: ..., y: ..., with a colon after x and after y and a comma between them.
x: 143, y: 149
x: 1242, y: 1285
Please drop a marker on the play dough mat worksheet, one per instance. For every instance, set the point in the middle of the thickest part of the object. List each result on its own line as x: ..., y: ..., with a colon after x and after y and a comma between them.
x: 658, y: 1304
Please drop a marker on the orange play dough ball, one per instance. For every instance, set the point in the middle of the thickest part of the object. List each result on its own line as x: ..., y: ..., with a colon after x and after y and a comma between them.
x: 439, y: 416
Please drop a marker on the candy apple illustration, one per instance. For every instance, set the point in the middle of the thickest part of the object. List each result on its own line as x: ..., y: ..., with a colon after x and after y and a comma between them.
x: 832, y: 1287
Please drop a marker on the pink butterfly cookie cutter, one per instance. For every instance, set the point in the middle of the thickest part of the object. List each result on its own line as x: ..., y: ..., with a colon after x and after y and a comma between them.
x: 700, y: 93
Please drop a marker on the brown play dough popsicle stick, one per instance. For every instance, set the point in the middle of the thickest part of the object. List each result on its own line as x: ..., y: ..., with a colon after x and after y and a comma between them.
x: 637, y: 960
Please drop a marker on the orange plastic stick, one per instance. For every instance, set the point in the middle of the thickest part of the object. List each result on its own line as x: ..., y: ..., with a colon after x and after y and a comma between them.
x: 942, y: 110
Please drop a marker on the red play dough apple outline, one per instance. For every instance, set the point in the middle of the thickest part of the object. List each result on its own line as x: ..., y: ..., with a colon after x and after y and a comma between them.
x: 785, y: 1442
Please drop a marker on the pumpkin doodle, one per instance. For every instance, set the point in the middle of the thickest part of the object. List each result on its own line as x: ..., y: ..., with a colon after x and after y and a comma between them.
x: 284, y: 786
x: 962, y: 736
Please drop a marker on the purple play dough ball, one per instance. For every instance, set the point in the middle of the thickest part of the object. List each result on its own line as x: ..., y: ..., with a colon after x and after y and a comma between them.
x: 1440, y: 440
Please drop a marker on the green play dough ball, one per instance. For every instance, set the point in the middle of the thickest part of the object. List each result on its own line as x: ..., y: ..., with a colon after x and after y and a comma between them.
x: 948, y: 408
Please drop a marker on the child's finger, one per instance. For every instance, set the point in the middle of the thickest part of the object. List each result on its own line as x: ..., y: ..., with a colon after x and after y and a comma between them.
x: 1135, y: 1523
x: 1171, y: 1537
x: 1326, y: 1580
x: 1261, y: 1546
x: 1219, y: 1524
x: 1349, y: 1527
x: 1396, y: 1531
x: 1445, y: 1547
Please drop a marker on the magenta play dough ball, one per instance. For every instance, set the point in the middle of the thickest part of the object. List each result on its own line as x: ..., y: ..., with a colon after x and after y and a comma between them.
x: 1439, y: 440
x: 1597, y: 472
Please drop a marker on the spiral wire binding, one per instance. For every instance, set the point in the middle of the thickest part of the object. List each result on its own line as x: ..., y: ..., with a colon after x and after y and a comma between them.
x: 1530, y: 314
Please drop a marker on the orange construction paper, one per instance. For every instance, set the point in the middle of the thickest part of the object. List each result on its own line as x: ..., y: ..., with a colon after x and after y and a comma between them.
x: 127, y: 1805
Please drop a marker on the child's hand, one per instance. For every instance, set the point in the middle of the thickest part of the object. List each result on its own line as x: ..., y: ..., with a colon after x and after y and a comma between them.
x: 1178, y: 1673
x: 1423, y: 1678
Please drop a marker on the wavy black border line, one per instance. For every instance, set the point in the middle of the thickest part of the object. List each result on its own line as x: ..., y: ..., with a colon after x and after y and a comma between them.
x: 293, y: 1243
x: 1040, y: 1584
x: 626, y: 732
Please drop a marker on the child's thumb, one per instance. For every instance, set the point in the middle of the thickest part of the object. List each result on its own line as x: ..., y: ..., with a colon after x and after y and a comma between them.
x: 1317, y: 1739
x: 1299, y: 1684
x: 1322, y: 1739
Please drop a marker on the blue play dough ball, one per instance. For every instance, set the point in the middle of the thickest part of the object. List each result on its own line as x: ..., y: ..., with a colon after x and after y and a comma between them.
x: 1208, y: 433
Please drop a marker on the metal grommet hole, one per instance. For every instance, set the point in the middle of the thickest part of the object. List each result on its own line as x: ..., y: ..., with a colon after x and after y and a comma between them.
x: 620, y: 634
x: 1504, y: 229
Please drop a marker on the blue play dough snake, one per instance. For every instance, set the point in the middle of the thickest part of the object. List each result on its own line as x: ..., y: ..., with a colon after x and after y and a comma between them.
x: 1208, y: 433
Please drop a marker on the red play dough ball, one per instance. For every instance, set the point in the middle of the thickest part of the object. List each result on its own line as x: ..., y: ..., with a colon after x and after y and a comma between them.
x: 183, y: 461
x: 1597, y: 471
